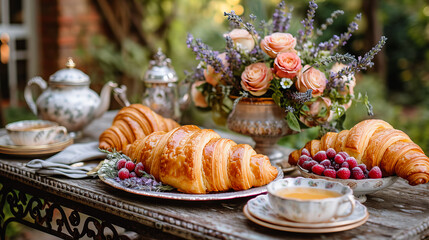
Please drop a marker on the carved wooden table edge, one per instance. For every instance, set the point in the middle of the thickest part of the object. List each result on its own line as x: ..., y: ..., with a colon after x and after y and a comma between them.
x: 170, y: 225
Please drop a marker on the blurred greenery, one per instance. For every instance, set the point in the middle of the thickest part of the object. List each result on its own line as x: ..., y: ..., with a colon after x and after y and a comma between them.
x: 397, y: 86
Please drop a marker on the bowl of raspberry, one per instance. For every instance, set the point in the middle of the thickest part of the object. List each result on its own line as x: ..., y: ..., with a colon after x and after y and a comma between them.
x: 343, y: 168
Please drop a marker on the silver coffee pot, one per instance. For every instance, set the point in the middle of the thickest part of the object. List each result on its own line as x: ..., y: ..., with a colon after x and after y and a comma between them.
x: 162, y: 92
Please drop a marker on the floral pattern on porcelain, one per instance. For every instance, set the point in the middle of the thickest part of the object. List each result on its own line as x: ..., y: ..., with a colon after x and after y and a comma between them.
x: 73, y: 107
x: 311, y: 211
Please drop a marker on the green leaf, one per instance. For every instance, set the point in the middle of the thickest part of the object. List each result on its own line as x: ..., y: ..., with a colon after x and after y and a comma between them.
x: 305, y: 108
x: 292, y: 121
x: 276, y: 97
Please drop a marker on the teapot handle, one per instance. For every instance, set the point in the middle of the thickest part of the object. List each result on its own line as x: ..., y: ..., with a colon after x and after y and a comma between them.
x: 28, y: 94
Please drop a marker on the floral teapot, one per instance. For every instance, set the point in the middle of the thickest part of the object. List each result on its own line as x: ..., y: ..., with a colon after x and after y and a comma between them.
x: 68, y: 100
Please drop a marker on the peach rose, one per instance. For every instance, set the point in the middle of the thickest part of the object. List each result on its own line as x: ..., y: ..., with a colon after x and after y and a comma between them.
x: 197, y: 96
x: 211, y: 75
x: 350, y: 80
x: 242, y: 39
x: 350, y: 83
x: 256, y: 78
x: 277, y: 42
x: 311, y: 78
x: 319, y: 112
x: 287, y: 64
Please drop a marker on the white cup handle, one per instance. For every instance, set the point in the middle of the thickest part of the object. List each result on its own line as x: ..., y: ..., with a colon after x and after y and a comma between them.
x: 61, y: 129
x: 351, y: 199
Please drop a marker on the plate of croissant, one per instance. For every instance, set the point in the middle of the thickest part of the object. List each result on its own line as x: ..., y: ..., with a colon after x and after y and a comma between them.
x: 197, y: 162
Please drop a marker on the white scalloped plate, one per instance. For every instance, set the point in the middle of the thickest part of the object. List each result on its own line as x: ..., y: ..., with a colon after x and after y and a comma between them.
x: 302, y: 229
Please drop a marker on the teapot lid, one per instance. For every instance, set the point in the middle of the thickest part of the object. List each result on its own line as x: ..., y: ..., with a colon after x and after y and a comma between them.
x: 69, y: 75
x: 160, y: 70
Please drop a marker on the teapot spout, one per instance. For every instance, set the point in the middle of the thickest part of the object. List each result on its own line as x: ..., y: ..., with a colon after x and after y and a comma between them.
x: 184, y: 96
x: 105, y: 99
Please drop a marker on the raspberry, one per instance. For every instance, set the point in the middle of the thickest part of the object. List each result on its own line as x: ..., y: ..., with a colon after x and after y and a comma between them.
x: 133, y: 174
x: 344, y: 154
x: 320, y: 156
x: 130, y: 166
x: 330, y: 153
x: 318, y: 169
x: 326, y: 163
x: 352, y: 162
x: 123, y: 173
x: 139, y: 170
x: 363, y: 167
x: 339, y: 159
x: 309, y: 164
x: 343, y: 173
x: 375, y: 172
x: 121, y: 163
x: 330, y: 173
x: 337, y: 166
x: 345, y: 164
x: 302, y: 159
x: 357, y: 173
x: 305, y: 152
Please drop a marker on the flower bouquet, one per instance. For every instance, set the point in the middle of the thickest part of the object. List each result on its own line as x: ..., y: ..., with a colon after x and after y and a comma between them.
x: 307, y: 78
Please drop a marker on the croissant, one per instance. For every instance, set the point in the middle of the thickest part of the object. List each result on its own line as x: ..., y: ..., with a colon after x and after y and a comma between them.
x: 133, y: 122
x: 199, y: 161
x: 375, y: 143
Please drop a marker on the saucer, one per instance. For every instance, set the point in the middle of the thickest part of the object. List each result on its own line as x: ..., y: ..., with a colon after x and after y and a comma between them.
x: 259, y: 208
x: 8, y: 147
x: 303, y: 229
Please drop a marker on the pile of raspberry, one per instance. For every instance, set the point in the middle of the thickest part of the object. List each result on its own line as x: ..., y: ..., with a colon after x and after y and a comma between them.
x: 329, y: 163
x: 128, y: 169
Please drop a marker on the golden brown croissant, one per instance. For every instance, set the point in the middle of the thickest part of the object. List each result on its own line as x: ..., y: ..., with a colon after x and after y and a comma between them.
x: 133, y: 122
x: 195, y: 160
x: 375, y: 143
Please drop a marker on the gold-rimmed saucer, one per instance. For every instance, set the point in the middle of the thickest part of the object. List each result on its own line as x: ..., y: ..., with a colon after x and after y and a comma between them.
x: 8, y: 147
x: 303, y: 229
x: 258, y: 210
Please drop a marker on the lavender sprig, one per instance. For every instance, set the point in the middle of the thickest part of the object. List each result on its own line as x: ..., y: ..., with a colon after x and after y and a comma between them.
x: 281, y: 18
x: 329, y: 21
x: 338, y: 41
x: 205, y: 54
x: 300, y: 97
x: 303, y: 35
x: 342, y: 58
x: 233, y: 17
x: 356, y: 66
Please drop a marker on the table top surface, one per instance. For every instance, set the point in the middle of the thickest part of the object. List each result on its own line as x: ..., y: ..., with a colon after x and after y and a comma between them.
x: 400, y: 211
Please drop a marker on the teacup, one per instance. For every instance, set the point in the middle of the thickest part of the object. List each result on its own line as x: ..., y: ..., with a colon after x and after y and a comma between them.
x: 34, y: 132
x: 310, y: 200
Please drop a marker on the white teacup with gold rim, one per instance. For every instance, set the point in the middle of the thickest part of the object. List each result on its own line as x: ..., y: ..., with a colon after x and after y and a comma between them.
x: 34, y: 132
x: 310, y: 200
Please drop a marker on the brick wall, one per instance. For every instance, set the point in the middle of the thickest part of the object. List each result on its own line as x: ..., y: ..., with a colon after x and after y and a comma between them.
x: 65, y: 26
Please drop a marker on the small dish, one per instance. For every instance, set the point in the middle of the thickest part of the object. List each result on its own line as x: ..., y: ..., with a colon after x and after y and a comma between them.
x: 260, y: 208
x: 303, y: 229
x: 8, y: 147
x: 360, y: 187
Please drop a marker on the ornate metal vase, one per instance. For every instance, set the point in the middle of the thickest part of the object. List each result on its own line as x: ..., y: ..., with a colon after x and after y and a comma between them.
x: 264, y: 121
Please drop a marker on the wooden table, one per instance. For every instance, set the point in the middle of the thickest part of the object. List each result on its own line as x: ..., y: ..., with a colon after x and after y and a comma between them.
x: 59, y: 205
